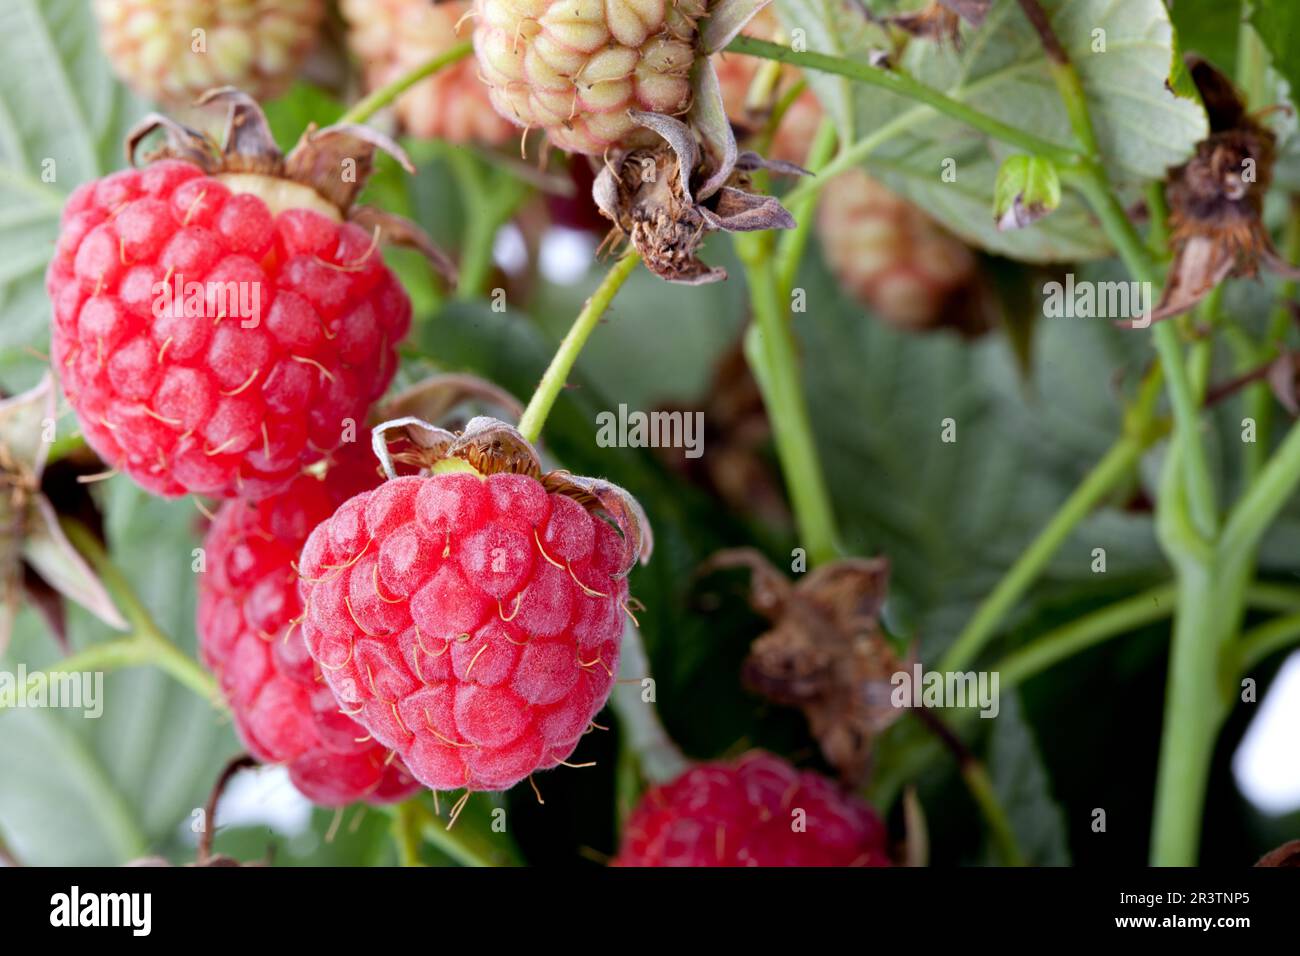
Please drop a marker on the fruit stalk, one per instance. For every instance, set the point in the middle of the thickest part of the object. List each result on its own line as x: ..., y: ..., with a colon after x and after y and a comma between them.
x: 553, y: 379
x: 771, y: 351
x: 376, y: 101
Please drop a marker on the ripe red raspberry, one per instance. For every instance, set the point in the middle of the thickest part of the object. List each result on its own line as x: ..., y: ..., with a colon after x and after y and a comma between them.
x: 216, y: 331
x: 247, y: 617
x: 757, y: 811
x: 471, y: 621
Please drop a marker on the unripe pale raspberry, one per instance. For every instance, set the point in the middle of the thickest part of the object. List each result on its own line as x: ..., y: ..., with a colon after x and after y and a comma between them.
x: 255, y: 45
x: 392, y: 37
x: 575, y: 67
x: 736, y: 76
x: 248, y: 614
x: 472, y: 623
x: 757, y: 811
x: 889, y: 255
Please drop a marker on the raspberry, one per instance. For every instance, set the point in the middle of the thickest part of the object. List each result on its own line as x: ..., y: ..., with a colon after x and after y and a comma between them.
x: 216, y: 331
x: 392, y: 37
x: 471, y: 621
x: 248, y: 609
x: 889, y: 255
x: 471, y: 616
x: 575, y: 67
x: 757, y: 811
x: 256, y: 45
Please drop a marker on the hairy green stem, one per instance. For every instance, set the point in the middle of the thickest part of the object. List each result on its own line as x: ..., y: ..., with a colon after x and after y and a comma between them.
x: 376, y: 101
x: 549, y: 388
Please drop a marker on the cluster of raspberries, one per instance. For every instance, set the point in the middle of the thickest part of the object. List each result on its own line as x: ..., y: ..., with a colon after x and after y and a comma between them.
x: 223, y: 325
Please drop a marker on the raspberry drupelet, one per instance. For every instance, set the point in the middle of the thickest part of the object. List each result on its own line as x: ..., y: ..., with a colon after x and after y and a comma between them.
x: 248, y: 636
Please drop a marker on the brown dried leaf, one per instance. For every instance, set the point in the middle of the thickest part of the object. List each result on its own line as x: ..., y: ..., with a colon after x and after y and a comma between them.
x: 825, y: 653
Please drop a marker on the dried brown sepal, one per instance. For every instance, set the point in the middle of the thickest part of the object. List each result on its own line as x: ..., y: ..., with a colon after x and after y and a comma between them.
x: 436, y: 397
x: 395, y: 230
x: 651, y: 197
x: 36, y: 556
x: 597, y: 494
x: 934, y: 22
x: 335, y: 163
x: 826, y: 653
x: 1283, y: 375
x: 249, y: 146
x: 491, y: 446
x: 1216, y: 200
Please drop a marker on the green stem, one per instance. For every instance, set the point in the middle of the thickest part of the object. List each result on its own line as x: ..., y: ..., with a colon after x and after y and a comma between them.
x: 981, y: 788
x: 791, y: 246
x: 548, y: 389
x: 771, y: 350
x: 1266, y: 639
x: 905, y: 86
x: 1116, y: 465
x: 405, y: 828
x: 147, y: 645
x: 381, y: 97
x: 1088, y: 631
x: 466, y: 846
x: 1085, y: 632
x: 1187, y: 414
x: 1194, y: 710
x: 1252, y: 515
x: 489, y: 199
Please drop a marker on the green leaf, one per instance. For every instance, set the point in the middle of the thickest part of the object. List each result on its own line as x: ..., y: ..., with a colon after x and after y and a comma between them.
x: 1278, y: 24
x: 1021, y: 783
x: 62, y: 120
x: 950, y: 171
x: 1209, y: 29
x: 102, y: 791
